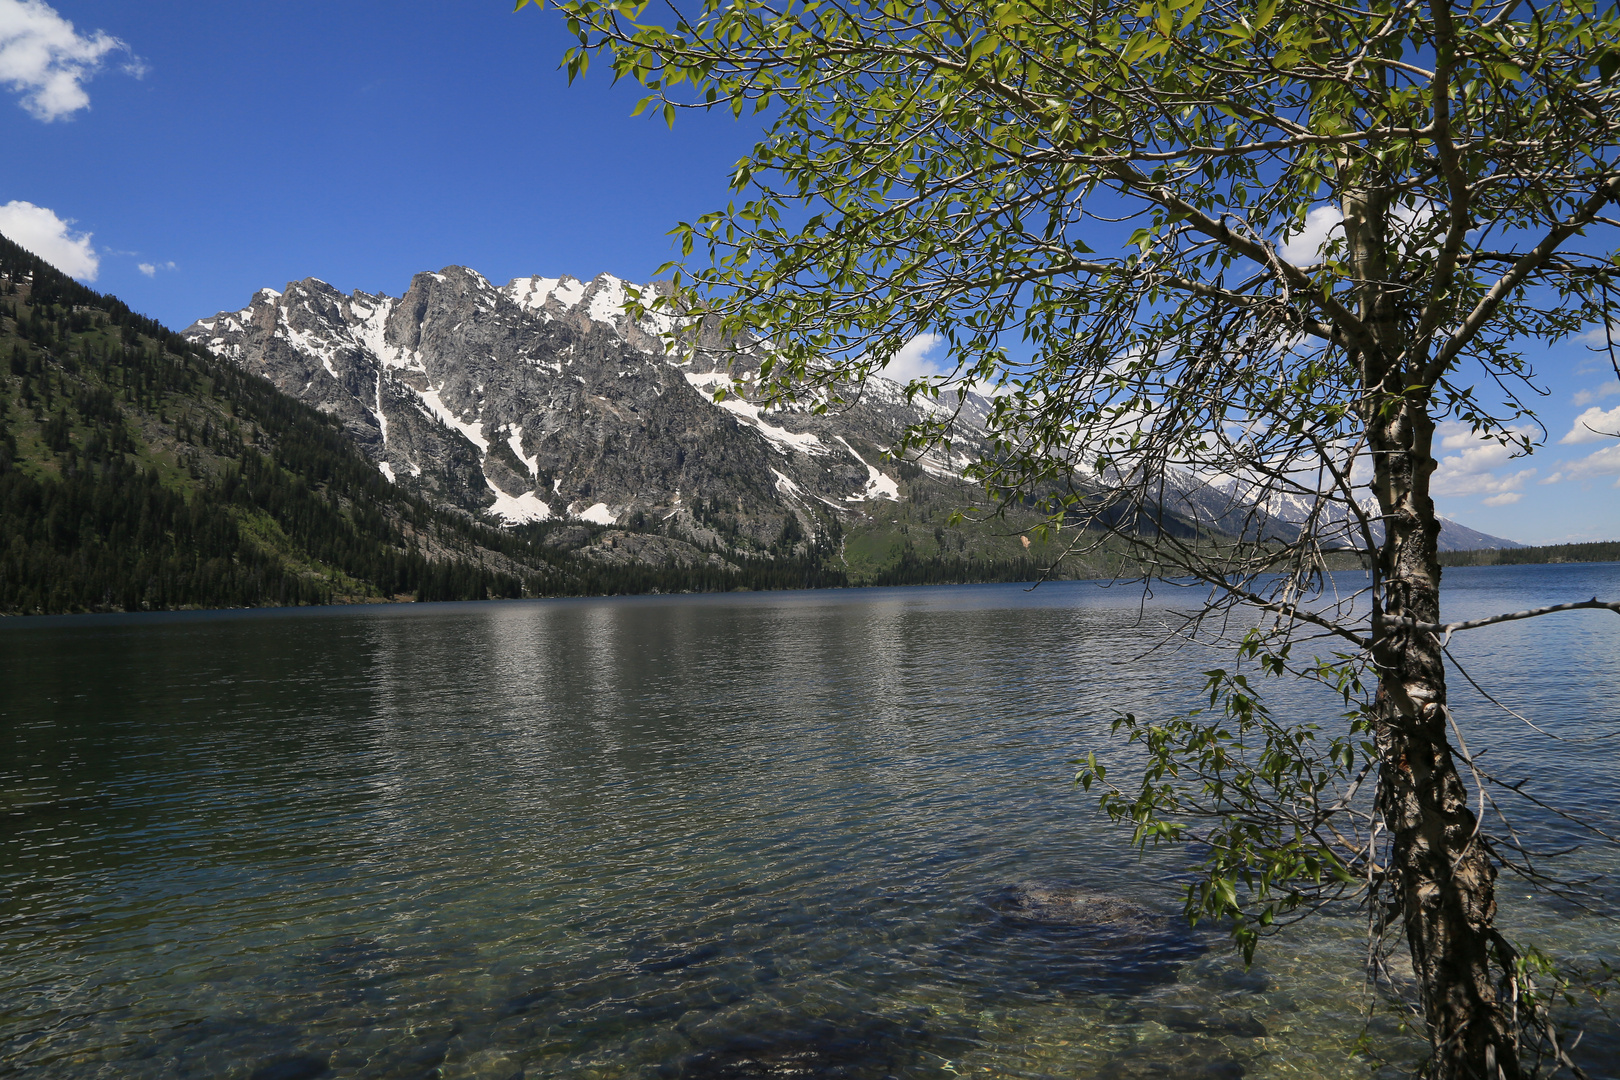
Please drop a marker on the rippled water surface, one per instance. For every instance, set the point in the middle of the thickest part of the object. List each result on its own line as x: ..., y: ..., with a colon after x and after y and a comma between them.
x: 756, y: 835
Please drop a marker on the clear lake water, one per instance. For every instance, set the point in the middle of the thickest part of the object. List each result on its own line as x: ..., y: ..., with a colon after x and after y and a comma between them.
x: 749, y: 835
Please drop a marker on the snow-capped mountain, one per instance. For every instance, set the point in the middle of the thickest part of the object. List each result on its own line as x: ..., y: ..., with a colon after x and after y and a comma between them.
x: 541, y: 399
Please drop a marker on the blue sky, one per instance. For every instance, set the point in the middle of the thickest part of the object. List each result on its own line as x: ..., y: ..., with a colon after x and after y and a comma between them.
x: 207, y: 150
x: 358, y: 142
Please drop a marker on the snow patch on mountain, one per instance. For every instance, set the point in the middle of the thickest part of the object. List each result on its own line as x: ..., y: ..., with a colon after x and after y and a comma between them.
x: 607, y: 303
x: 474, y: 431
x: 537, y: 293
x: 878, y: 486
x: 515, y: 441
x: 518, y: 509
x: 733, y: 402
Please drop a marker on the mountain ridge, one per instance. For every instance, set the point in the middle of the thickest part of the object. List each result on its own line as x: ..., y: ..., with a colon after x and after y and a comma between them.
x: 140, y: 472
x: 544, y: 400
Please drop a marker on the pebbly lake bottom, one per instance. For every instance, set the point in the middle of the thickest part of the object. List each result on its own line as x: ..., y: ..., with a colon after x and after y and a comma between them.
x: 824, y: 834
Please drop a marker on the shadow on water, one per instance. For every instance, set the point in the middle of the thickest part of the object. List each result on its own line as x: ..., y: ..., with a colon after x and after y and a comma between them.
x: 712, y: 1005
x: 717, y: 1005
x: 1034, y: 939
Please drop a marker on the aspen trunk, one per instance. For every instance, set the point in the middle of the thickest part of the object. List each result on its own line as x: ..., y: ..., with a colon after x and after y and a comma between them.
x: 1443, y: 877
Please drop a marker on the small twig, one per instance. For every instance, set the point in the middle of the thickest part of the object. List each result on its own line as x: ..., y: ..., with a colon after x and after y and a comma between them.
x: 1479, y: 782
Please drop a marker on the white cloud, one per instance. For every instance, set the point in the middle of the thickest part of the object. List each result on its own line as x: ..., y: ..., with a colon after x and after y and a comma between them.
x: 915, y: 360
x: 1473, y: 472
x: 1507, y: 498
x: 1456, y: 436
x: 47, y: 61
x: 151, y: 269
x: 48, y: 236
x: 1596, y: 338
x: 1594, y: 425
x: 1305, y: 247
x: 1586, y: 397
x: 1325, y: 224
x: 1605, y: 462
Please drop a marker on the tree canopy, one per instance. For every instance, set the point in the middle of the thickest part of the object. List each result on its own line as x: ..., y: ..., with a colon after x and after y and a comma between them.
x: 1216, y: 258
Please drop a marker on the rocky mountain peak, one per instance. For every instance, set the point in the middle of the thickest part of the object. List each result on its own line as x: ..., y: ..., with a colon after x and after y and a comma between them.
x: 543, y: 399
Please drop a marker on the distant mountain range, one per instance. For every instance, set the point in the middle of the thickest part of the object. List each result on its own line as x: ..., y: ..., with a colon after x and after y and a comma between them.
x: 542, y: 400
x: 1223, y: 507
x: 1455, y: 537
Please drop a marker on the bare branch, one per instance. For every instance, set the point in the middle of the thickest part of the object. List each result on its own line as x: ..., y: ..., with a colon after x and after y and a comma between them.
x: 1447, y: 629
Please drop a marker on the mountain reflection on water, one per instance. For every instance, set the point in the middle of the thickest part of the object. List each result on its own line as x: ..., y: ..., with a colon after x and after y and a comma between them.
x: 827, y: 834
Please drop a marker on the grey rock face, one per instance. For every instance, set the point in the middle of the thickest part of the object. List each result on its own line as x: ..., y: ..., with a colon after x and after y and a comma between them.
x: 543, y: 400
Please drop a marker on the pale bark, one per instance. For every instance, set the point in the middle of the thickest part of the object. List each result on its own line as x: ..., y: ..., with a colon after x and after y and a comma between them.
x: 1444, y: 879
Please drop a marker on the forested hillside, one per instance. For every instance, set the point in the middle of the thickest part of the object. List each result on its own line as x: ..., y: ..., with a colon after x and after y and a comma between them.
x: 137, y: 472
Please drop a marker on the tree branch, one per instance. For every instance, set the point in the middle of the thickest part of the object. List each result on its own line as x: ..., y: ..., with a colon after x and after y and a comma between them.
x: 1447, y: 629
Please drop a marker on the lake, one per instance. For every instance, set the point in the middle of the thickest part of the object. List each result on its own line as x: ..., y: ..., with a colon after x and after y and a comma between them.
x: 776, y: 834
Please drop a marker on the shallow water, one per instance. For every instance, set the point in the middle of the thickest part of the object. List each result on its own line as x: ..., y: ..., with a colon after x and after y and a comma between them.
x: 735, y: 836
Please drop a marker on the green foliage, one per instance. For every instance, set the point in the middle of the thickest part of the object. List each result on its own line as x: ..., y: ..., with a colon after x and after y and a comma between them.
x: 1273, y: 805
x: 954, y: 168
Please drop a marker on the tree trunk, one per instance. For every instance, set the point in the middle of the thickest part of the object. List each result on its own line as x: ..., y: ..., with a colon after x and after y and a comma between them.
x: 1443, y: 877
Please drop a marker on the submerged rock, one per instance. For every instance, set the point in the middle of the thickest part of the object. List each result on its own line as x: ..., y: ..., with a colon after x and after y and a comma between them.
x: 296, y: 1067
x: 1069, y: 939
x: 1067, y: 906
x: 1207, y: 1064
x: 1237, y: 1025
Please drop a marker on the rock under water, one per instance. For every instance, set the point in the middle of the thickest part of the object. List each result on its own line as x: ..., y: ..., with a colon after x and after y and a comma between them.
x: 1069, y: 939
x: 1069, y: 906
x: 296, y: 1067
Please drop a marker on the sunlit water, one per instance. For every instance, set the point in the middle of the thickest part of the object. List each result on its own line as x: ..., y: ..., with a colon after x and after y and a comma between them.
x: 733, y: 836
